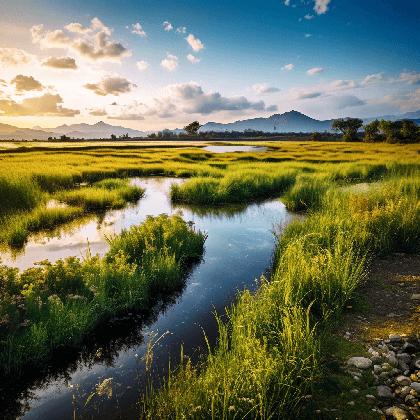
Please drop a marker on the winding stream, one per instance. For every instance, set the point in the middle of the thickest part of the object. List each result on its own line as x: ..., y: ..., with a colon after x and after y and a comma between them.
x: 238, y: 251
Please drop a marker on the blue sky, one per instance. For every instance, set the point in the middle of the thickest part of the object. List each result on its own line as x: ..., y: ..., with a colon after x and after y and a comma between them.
x: 150, y: 65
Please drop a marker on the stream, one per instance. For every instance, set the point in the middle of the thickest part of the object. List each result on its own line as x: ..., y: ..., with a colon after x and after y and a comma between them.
x: 238, y: 250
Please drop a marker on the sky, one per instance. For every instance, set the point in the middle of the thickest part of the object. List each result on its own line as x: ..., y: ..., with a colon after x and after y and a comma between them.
x: 150, y: 65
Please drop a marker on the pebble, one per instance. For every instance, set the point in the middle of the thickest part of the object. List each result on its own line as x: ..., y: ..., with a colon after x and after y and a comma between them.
x: 384, y: 392
x: 360, y: 362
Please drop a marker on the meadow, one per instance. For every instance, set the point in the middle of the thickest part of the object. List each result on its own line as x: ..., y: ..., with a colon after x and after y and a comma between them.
x: 361, y: 200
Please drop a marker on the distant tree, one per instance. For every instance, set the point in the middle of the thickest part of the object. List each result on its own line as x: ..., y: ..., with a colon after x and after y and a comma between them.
x: 64, y: 138
x: 348, y: 127
x: 316, y: 136
x: 404, y: 131
x: 372, y: 132
x: 192, y: 128
x: 113, y: 137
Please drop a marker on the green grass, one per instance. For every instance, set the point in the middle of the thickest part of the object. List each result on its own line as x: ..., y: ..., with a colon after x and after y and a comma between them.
x: 54, y: 304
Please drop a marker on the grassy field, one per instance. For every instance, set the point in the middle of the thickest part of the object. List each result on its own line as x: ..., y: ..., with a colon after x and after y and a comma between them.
x: 268, y: 358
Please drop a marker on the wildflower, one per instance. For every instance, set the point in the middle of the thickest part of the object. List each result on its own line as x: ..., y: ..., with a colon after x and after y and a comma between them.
x: 231, y: 408
x: 105, y: 388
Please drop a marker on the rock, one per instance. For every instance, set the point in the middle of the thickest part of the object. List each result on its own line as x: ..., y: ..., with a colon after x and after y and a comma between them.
x: 400, y: 414
x: 403, y: 380
x: 360, y: 362
x: 384, y: 375
x: 411, y: 400
x: 354, y: 391
x: 395, y: 338
x: 415, y: 386
x: 404, y: 357
x: 409, y: 348
x: 417, y: 363
x: 392, y: 360
x: 415, y: 296
x: 405, y: 390
x: 384, y: 392
x: 377, y: 369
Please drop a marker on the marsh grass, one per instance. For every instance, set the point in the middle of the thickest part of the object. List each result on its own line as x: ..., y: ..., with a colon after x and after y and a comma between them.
x: 54, y: 304
x: 105, y: 194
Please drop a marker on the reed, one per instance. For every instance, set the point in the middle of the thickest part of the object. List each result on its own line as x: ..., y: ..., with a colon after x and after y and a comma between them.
x: 54, y: 304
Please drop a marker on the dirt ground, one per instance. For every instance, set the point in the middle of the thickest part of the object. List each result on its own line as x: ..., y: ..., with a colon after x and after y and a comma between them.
x: 386, y: 303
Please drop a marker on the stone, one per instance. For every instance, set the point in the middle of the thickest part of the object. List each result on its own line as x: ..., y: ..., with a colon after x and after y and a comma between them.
x: 384, y: 375
x: 409, y: 348
x: 384, y: 392
x: 354, y: 391
x: 404, y: 357
x: 377, y: 369
x: 415, y: 296
x: 394, y: 338
x: 403, y: 380
x: 360, y: 362
x: 400, y: 414
x: 392, y: 360
x: 405, y: 390
x: 411, y: 400
x: 417, y: 363
x: 415, y: 386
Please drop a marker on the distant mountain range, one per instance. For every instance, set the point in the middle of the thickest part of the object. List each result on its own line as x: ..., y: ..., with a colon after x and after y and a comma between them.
x: 292, y: 121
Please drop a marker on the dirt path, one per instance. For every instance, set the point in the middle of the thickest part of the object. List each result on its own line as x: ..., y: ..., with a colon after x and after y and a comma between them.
x: 391, y: 300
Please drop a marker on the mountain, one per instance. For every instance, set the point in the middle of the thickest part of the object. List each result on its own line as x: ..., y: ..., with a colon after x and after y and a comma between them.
x: 292, y: 121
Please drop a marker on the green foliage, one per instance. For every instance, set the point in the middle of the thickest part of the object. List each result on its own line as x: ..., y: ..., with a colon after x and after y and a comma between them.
x: 404, y: 131
x: 316, y: 136
x: 59, y: 303
x: 192, y: 128
x: 348, y: 127
x: 372, y: 132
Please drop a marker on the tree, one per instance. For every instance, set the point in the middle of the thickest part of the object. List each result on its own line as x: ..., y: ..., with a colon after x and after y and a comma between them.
x: 348, y: 127
x: 192, y: 128
x: 113, y: 137
x: 316, y: 136
x: 372, y: 132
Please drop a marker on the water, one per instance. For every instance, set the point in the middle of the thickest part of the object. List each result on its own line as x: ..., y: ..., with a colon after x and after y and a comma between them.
x: 236, y: 148
x: 238, y: 251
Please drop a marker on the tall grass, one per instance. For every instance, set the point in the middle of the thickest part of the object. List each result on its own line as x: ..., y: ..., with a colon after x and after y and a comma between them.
x: 235, y: 187
x: 55, y: 304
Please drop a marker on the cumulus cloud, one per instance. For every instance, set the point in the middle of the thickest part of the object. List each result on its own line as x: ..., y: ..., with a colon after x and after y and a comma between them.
x: 111, y: 85
x: 343, y: 84
x: 321, y: 6
x: 308, y: 95
x: 194, y: 42
x: 288, y: 67
x: 13, y: 57
x: 137, y: 29
x: 194, y: 100
x: 168, y: 26
x: 142, y: 65
x: 272, y: 108
x: 93, y: 43
x: 170, y: 63
x: 373, y: 78
x: 347, y: 101
x: 181, y: 30
x: 26, y: 83
x: 264, y: 89
x: 315, y: 70
x: 98, y: 112
x: 127, y: 117
x: 307, y: 35
x: 411, y: 78
x: 163, y: 108
x: 309, y: 17
x: 41, y: 106
x: 60, y: 63
x: 287, y: 2
x: 405, y: 103
x: 193, y: 59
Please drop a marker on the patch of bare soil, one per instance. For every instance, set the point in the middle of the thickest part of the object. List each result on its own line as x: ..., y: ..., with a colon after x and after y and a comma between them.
x: 391, y: 300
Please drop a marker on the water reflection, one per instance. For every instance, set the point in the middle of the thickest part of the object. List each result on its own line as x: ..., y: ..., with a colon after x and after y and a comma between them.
x: 234, y: 148
x: 238, y: 250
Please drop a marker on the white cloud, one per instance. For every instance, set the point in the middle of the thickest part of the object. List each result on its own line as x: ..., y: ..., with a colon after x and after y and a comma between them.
x: 170, y: 63
x: 347, y: 101
x: 193, y: 59
x: 264, y: 89
x: 26, y: 83
x: 13, y: 57
x: 162, y: 108
x: 194, y: 100
x: 194, y: 42
x: 127, y: 117
x: 137, y: 29
x: 168, y: 26
x: 411, y: 78
x: 181, y: 30
x: 111, y: 85
x: 309, y: 17
x: 60, y: 63
x: 321, y: 6
x: 96, y: 112
x: 405, y: 103
x: 307, y: 35
x: 373, y: 78
x: 41, y: 106
x: 94, y: 43
x: 142, y: 65
x: 308, y: 95
x: 288, y: 66
x: 287, y: 2
x: 315, y: 70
